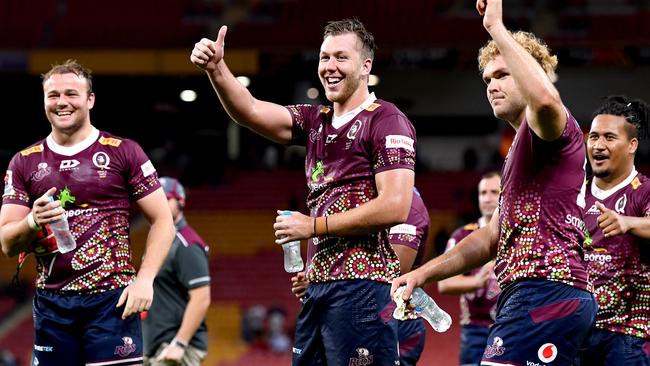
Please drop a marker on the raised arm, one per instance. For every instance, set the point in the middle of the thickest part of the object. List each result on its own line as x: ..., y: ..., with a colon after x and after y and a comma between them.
x: 544, y: 109
x: 474, y: 250
x: 270, y: 120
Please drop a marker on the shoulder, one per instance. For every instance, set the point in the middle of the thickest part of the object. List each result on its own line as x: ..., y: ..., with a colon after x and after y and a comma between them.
x: 188, y: 237
x: 464, y: 230
x: 116, y: 142
x: 382, y: 109
x: 35, y: 149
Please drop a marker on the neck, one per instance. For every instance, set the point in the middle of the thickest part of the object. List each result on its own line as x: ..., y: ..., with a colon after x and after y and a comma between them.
x: 355, y: 100
x: 178, y: 218
x: 612, y: 180
x: 71, y: 138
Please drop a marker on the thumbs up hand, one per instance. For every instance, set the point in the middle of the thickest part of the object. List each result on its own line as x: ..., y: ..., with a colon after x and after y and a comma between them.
x: 610, y: 222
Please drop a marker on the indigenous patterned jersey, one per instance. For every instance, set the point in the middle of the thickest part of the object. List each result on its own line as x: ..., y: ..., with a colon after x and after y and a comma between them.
x: 341, y: 164
x: 619, y: 266
x: 96, y: 180
x: 414, y: 232
x: 478, y: 307
x: 540, y: 208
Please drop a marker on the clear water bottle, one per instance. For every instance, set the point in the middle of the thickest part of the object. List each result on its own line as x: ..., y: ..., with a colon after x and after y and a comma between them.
x: 292, y: 259
x: 64, y: 240
x: 429, y: 310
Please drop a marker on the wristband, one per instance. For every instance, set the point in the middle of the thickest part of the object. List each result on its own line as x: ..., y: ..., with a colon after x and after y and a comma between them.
x: 32, y: 223
x: 313, y: 232
x: 180, y: 344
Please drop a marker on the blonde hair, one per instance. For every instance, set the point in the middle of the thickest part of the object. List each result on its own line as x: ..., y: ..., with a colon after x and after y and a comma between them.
x: 533, y: 45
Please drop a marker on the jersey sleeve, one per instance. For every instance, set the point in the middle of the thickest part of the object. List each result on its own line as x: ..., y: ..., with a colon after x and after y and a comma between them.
x: 15, y: 191
x: 141, y: 175
x: 192, y: 266
x: 393, y: 143
x: 410, y: 234
x: 304, y: 118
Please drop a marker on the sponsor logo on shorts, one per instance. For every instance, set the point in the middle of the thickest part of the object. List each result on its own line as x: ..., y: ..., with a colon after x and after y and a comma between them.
x: 531, y: 363
x: 43, y: 348
x: 547, y: 352
x: 496, y: 349
x: 364, y: 358
x: 403, y: 229
x: 126, y: 349
x: 399, y: 142
x: 296, y: 350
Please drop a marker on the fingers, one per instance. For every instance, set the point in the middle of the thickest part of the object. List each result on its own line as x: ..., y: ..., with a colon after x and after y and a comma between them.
x: 601, y: 207
x: 222, y: 35
x: 122, y: 298
x: 480, y: 7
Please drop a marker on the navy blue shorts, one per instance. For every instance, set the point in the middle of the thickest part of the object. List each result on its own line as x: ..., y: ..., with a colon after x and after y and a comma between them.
x: 615, y: 349
x: 84, y: 330
x: 411, y: 335
x: 540, y: 322
x: 473, y: 339
x: 348, y: 322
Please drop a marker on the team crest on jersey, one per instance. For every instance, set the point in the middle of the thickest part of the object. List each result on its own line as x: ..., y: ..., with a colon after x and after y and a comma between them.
x: 315, y: 135
x: 31, y: 150
x: 110, y: 141
x: 126, y: 349
x: 620, y: 204
x: 42, y: 171
x: 9, y: 185
x: 496, y: 349
x: 101, y: 160
x: 352, y: 133
x: 364, y: 358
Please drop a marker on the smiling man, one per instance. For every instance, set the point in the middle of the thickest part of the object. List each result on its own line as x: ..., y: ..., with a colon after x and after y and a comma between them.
x: 545, y: 311
x: 359, y: 169
x: 87, y: 300
x: 617, y: 217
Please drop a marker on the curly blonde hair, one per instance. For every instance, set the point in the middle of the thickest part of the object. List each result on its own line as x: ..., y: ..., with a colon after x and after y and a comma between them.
x: 535, y: 47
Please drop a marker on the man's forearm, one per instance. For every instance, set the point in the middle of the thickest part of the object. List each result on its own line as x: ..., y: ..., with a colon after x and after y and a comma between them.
x: 16, y: 237
x: 159, y: 240
x: 195, y: 312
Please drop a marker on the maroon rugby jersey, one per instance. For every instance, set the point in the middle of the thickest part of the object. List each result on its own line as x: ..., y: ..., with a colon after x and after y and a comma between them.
x: 540, y: 208
x: 340, y: 166
x: 413, y: 233
x: 478, y: 307
x: 96, y: 181
x: 619, y: 266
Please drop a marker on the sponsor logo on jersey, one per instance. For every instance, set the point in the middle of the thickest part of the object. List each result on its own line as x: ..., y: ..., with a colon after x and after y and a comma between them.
x: 318, y: 171
x: 147, y: 168
x: 576, y: 222
x: 496, y: 349
x: 598, y: 255
x: 547, y: 352
x: 324, y: 110
x: 68, y: 164
x: 593, y: 210
x: 330, y: 139
x: 403, y: 229
x: 110, y: 141
x: 635, y: 183
x: 9, y: 184
x: 31, y: 150
x: 43, y: 170
x: 399, y: 142
x: 372, y: 107
x: 127, y: 348
x: 364, y: 358
x: 620, y: 204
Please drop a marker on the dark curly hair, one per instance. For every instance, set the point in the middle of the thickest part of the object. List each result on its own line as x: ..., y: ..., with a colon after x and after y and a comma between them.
x: 635, y: 111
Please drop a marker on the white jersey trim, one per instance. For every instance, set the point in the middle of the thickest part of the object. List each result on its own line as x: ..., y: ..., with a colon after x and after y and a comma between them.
x: 604, y: 194
x: 339, y: 121
x: 197, y: 280
x: 76, y: 148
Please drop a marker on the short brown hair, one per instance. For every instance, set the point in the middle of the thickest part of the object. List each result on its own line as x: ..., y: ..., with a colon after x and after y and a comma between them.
x: 71, y: 66
x: 354, y: 25
x: 536, y: 47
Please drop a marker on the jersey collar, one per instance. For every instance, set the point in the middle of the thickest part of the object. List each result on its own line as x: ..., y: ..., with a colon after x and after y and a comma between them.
x: 604, y: 194
x: 76, y: 148
x: 338, y: 121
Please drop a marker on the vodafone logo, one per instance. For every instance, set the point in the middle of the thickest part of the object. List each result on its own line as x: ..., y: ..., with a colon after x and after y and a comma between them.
x: 547, y: 352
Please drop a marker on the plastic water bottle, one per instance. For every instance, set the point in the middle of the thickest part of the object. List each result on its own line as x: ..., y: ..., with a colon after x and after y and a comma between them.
x: 61, y: 230
x: 429, y: 310
x: 292, y: 259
